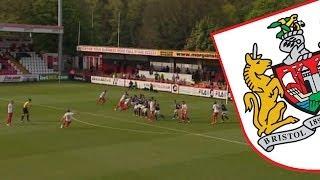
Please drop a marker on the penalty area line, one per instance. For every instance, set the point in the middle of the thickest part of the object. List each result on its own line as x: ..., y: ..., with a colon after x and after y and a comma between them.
x: 187, y: 132
x: 121, y: 129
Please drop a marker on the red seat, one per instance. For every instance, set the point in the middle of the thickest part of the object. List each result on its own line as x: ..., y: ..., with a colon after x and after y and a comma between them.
x: 7, y: 69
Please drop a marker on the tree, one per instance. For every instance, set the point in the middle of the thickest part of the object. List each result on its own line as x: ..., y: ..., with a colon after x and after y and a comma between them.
x: 199, y: 39
x: 261, y: 7
x: 167, y: 24
x: 133, y: 20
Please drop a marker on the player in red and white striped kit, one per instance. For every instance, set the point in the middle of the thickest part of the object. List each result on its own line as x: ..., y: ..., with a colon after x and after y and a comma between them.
x: 10, y: 113
x: 102, y: 97
x: 121, y: 102
x: 66, y: 119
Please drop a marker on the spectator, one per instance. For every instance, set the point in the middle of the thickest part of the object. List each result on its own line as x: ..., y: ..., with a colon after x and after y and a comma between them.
x: 177, y: 77
x: 167, y: 69
x: 162, y: 77
x: 178, y: 70
x: 72, y: 73
x: 151, y: 69
x: 131, y: 85
x: 151, y: 87
x: 135, y: 85
x: 188, y: 71
x: 156, y: 76
x: 173, y: 78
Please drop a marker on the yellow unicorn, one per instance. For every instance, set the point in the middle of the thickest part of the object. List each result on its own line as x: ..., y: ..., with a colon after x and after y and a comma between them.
x: 263, y: 99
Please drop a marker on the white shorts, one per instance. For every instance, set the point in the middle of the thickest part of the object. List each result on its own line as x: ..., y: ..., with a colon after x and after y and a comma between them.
x: 157, y: 112
x: 137, y: 106
x: 144, y: 110
x: 67, y: 120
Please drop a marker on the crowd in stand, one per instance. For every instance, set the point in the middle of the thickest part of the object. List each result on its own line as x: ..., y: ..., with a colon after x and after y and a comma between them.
x: 5, y: 68
x: 204, y: 78
x: 9, y: 51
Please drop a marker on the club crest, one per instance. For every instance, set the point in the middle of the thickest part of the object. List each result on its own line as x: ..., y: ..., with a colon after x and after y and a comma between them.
x: 279, y: 72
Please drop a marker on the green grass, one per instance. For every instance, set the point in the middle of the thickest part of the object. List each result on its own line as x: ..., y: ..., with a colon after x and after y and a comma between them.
x: 123, y: 147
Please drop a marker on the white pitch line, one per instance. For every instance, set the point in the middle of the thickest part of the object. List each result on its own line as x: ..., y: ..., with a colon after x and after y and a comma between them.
x: 178, y: 130
x: 120, y: 129
x: 161, y: 127
x: 218, y: 138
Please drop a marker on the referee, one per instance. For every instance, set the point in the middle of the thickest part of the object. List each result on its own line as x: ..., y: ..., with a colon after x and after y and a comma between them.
x: 25, y: 110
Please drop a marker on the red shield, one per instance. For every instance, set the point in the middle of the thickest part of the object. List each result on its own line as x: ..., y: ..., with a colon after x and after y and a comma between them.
x: 301, y: 83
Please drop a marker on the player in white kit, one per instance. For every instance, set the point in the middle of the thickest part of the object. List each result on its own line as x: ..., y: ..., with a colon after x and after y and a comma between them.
x: 152, y: 108
x: 184, y: 112
x: 102, y: 97
x: 10, y: 113
x: 215, y: 113
x: 121, y: 102
x: 66, y: 119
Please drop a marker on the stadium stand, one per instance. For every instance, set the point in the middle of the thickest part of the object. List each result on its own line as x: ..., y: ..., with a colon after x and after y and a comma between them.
x: 197, y: 69
x: 162, y: 76
x: 6, y: 67
x: 19, y: 57
x: 205, y: 79
x: 18, y: 66
x: 35, y: 64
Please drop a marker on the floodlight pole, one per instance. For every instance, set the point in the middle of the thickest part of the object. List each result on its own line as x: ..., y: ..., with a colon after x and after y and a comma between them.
x: 79, y: 32
x: 119, y: 23
x: 60, y: 39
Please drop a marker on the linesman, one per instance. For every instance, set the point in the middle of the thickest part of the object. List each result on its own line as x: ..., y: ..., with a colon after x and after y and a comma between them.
x: 26, y: 109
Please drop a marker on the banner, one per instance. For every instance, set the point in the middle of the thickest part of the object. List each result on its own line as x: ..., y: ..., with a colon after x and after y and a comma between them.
x: 219, y: 94
x: 51, y: 77
x: 10, y: 78
x: 104, y: 80
x: 203, y: 92
x: 166, y: 87
x: 116, y: 50
x: 78, y: 77
x: 303, y: 132
x: 149, y: 52
x: 30, y: 78
x: 121, y: 82
x: 156, y: 86
x: 175, y: 88
x: 19, y: 78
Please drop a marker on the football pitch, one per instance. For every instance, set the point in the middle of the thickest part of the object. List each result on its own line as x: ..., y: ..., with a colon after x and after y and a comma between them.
x: 104, y: 144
